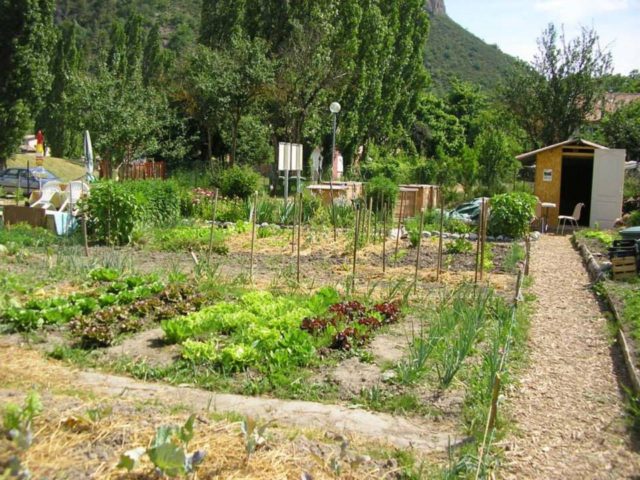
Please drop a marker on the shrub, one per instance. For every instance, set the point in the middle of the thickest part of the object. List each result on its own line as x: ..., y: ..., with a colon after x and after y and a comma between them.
x: 239, y: 182
x: 511, y: 214
x: 231, y: 211
x: 159, y: 200
x: 634, y: 219
x: 380, y: 188
x: 113, y: 212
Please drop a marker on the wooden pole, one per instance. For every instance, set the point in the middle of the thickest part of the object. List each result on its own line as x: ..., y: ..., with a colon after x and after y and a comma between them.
x: 253, y: 237
x: 483, y: 239
x: 355, y: 249
x: 395, y: 254
x: 527, y: 253
x: 213, y: 221
x: 84, y: 234
x: 299, y: 236
x: 369, y: 213
x: 384, y: 237
x: 440, y: 239
x: 478, y: 240
x: 415, y: 276
x: 293, y: 225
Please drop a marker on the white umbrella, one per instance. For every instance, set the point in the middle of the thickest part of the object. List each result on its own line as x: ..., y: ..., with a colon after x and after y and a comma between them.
x: 88, y: 155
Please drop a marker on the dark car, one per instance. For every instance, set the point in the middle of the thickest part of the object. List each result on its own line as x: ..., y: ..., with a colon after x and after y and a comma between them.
x: 27, y: 179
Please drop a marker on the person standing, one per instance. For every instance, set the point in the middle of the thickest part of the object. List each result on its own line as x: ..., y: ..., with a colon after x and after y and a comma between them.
x: 338, y: 165
x: 316, y: 164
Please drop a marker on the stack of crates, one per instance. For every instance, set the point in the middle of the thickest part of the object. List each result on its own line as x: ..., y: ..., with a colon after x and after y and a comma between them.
x: 625, y: 259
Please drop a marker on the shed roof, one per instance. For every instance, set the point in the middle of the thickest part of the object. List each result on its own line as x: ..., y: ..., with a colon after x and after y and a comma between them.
x: 571, y: 141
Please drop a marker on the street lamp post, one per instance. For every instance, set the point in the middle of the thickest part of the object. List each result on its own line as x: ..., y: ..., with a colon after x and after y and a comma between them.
x: 335, y: 109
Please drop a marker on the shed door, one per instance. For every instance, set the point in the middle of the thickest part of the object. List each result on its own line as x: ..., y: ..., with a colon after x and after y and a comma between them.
x: 606, y: 192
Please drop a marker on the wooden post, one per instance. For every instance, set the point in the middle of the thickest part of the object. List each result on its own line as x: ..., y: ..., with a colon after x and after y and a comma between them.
x: 213, y: 221
x: 395, y: 254
x: 84, y: 234
x: 299, y: 236
x: 253, y: 237
x: 369, y: 214
x: 478, y: 241
x: 483, y: 239
x: 384, y: 237
x: 527, y: 253
x: 439, y: 263
x: 293, y: 225
x: 355, y: 249
x: 415, y: 276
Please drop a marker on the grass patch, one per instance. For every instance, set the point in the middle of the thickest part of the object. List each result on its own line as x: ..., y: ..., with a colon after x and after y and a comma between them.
x: 65, y: 169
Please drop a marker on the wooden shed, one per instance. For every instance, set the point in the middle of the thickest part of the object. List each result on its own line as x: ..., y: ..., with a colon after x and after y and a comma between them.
x: 578, y: 171
x: 416, y: 197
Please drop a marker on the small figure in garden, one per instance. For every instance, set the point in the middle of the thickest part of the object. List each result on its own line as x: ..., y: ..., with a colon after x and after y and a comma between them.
x: 316, y: 164
x: 338, y: 165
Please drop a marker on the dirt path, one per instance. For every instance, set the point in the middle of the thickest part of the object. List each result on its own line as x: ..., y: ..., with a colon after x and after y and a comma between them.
x: 569, y: 409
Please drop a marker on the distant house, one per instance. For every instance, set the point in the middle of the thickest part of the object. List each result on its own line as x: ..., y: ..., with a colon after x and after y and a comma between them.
x: 578, y: 171
x: 28, y: 144
x: 611, y: 102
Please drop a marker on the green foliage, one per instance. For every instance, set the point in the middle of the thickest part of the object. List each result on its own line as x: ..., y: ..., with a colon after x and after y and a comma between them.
x: 17, y: 421
x: 239, y: 182
x: 28, y: 37
x: 515, y: 255
x: 185, y: 238
x: 168, y: 451
x: 621, y: 129
x: 26, y: 236
x: 606, y: 238
x: 459, y: 245
x: 381, y: 189
x: 511, y: 214
x: 158, y: 201
x: 634, y: 219
x: 553, y: 98
x: 113, y: 212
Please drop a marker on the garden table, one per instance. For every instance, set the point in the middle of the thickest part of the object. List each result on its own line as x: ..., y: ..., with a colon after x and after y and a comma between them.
x: 545, y: 216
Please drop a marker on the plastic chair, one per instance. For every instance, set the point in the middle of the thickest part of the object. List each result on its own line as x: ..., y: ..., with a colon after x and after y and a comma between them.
x: 47, y: 192
x: 573, y: 219
x: 76, y: 190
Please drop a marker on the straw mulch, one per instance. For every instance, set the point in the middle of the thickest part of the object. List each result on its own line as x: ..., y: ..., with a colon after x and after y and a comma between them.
x: 82, y: 436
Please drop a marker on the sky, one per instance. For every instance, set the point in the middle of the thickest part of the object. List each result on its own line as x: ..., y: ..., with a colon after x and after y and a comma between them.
x: 515, y: 25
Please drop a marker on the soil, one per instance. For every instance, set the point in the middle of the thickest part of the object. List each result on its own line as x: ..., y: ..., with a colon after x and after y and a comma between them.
x: 148, y: 345
x: 569, y: 406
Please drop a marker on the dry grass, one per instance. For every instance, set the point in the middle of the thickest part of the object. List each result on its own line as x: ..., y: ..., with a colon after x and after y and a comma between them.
x: 68, y: 444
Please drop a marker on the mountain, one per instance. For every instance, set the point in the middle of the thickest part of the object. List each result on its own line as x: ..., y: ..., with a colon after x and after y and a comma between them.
x: 453, y: 52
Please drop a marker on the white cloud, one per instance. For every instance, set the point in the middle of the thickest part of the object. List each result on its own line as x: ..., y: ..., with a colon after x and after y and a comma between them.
x: 573, y: 11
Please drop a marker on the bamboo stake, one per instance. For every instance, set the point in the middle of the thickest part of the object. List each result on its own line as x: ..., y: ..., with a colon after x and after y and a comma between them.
x: 253, y: 237
x: 293, y: 225
x: 483, y: 239
x: 395, y: 254
x: 299, y: 236
x: 478, y: 240
x: 384, y: 237
x: 440, y: 239
x: 527, y: 253
x: 415, y: 276
x: 355, y: 249
x: 369, y: 214
x: 84, y: 234
x: 213, y: 221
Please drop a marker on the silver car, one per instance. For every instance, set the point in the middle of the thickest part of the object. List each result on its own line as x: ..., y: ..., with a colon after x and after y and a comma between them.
x: 27, y: 179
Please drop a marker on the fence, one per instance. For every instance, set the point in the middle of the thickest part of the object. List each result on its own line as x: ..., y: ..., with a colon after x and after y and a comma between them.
x: 142, y: 170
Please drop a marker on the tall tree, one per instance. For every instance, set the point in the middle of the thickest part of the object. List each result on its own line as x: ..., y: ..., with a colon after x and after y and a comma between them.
x: 553, y: 97
x: 26, y: 43
x: 56, y: 119
x: 621, y: 129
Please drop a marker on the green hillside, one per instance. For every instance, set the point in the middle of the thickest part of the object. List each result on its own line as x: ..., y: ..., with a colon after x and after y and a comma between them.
x: 454, y: 52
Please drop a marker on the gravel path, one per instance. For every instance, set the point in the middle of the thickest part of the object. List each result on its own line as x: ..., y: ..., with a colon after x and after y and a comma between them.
x: 569, y: 408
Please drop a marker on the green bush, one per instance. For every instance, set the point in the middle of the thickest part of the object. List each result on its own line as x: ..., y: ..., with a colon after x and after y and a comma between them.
x: 382, y: 189
x: 634, y: 219
x: 159, y: 200
x: 239, y: 182
x: 113, y: 212
x: 231, y: 211
x: 511, y: 214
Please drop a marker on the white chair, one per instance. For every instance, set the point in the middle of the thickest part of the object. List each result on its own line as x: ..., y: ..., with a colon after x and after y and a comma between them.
x: 573, y: 219
x: 75, y: 191
x: 47, y: 192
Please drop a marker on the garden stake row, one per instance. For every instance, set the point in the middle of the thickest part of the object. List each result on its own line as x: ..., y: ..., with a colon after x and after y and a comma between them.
x: 395, y: 254
x: 439, y: 264
x: 299, y: 236
x: 253, y: 235
x: 213, y: 221
x: 495, y: 391
x: 415, y: 276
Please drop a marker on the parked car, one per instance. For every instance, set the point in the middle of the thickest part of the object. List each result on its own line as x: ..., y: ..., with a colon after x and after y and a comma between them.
x: 26, y: 179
